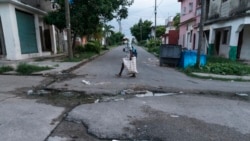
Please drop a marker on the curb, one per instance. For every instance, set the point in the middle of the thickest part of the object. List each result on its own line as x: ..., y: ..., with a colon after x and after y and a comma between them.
x: 227, y: 77
x: 68, y: 70
x: 83, y: 62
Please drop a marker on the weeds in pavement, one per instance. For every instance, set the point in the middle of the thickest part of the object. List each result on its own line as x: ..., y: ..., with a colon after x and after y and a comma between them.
x: 4, y: 69
x: 80, y: 56
x: 26, y: 69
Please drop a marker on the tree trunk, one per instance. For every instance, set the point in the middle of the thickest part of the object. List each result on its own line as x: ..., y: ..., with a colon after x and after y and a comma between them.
x: 74, y: 42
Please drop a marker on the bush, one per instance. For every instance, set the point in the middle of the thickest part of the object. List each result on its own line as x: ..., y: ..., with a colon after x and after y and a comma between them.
x: 24, y: 68
x: 227, y: 68
x: 154, y: 46
x: 93, y: 46
x: 4, y: 69
x: 223, y: 66
x: 143, y: 43
x: 79, y: 49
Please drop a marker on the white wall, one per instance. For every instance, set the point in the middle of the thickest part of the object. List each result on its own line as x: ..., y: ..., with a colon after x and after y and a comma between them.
x: 10, y: 30
x: 11, y: 36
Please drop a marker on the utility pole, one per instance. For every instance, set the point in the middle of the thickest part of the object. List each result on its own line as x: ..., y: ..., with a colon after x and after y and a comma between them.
x: 141, y: 30
x: 155, y: 18
x: 68, y: 27
x: 200, y: 34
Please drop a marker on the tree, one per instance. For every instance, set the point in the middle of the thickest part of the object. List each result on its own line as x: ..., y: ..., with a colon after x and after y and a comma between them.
x: 160, y: 30
x: 176, y: 21
x: 141, y: 30
x: 107, y: 32
x: 86, y: 15
x: 122, y: 11
x: 115, y: 38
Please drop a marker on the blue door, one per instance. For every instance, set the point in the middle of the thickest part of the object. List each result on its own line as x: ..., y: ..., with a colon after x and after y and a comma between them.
x: 27, y: 32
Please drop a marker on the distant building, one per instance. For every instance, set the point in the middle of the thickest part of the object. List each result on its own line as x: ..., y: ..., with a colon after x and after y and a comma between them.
x: 227, y: 27
x: 23, y: 33
x: 189, y: 21
x: 171, y: 35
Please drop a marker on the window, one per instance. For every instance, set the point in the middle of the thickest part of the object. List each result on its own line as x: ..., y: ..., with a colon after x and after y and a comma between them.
x: 191, y: 34
x: 225, y: 36
x: 184, y: 11
x: 190, y: 7
x: 198, y: 12
x: 198, y: 2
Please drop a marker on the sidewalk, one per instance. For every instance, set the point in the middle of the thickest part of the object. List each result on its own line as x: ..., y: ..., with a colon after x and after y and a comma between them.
x: 217, y: 76
x: 54, y: 62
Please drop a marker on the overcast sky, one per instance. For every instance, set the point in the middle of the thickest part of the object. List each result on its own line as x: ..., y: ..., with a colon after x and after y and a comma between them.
x: 144, y: 9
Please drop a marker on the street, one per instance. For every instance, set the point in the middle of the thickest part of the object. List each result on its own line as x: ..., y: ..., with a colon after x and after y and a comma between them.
x: 160, y: 104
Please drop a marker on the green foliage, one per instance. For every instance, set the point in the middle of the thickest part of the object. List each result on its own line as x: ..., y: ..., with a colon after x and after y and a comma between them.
x: 227, y: 68
x: 143, y: 43
x: 25, y: 69
x: 176, y: 20
x: 160, y: 30
x: 80, y: 56
x: 93, y: 46
x: 4, y: 69
x: 79, y: 49
x: 153, y: 46
x: 87, y: 15
x: 222, y: 66
x: 115, y: 38
x: 141, y: 30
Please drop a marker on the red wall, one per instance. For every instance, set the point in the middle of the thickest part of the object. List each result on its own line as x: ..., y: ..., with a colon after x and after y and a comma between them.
x: 173, y: 37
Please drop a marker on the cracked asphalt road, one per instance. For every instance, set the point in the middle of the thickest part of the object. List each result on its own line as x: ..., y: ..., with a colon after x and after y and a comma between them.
x: 183, y: 116
x: 101, y: 75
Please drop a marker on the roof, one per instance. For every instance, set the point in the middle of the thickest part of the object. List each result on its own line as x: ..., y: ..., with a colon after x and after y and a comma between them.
x: 22, y: 5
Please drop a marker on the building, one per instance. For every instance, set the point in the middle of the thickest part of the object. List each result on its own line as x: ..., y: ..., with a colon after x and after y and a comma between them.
x: 227, y: 28
x: 189, y: 21
x: 23, y: 33
x: 171, y: 35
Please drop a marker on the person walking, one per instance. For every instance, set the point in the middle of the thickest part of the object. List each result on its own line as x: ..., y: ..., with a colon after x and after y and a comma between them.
x: 130, y: 63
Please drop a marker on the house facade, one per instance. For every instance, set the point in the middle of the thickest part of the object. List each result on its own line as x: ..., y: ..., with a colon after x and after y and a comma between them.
x: 227, y: 27
x: 171, y: 35
x: 23, y: 33
x: 189, y: 21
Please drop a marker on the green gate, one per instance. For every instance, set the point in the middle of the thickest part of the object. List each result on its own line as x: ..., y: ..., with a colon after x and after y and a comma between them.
x: 27, y: 32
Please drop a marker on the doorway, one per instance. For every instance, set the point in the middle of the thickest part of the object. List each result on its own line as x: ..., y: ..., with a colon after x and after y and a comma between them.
x: 217, y: 42
x: 240, y: 41
x: 194, y: 41
x: 2, y: 42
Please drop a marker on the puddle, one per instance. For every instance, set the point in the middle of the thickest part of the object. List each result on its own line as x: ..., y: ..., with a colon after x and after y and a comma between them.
x: 151, y: 94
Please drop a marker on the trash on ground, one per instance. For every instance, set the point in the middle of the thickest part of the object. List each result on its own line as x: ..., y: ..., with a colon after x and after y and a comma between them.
x: 37, y: 92
x: 97, y: 101
x: 174, y: 116
x: 85, y: 82
x: 119, y: 99
x: 147, y: 94
x: 164, y: 94
x: 242, y: 94
x: 30, y: 92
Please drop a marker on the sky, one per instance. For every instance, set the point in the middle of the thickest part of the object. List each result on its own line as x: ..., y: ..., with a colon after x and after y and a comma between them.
x: 144, y: 9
